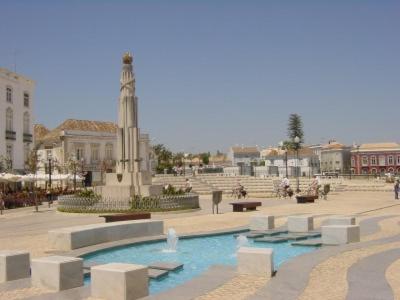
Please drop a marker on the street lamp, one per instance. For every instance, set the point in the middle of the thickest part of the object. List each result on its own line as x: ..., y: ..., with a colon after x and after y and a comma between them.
x: 297, y: 143
x: 281, y: 145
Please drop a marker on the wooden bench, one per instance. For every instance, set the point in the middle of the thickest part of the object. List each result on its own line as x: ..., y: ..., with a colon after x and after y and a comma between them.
x: 126, y: 217
x: 306, y: 199
x: 239, y: 206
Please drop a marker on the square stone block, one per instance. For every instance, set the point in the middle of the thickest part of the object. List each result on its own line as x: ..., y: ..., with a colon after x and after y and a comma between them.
x: 300, y: 223
x: 14, y: 265
x: 262, y: 222
x: 119, y: 281
x: 255, y: 261
x: 341, y: 220
x: 57, y: 272
x: 340, y: 234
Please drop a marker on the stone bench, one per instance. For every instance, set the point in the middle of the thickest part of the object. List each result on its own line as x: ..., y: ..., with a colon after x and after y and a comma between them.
x: 300, y: 223
x: 260, y: 223
x: 340, y: 234
x: 57, y: 272
x: 255, y: 261
x: 81, y: 236
x: 14, y: 265
x: 126, y: 217
x: 240, y: 206
x: 119, y: 281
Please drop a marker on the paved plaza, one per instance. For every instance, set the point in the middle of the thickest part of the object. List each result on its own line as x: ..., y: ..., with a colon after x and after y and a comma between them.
x: 333, y: 274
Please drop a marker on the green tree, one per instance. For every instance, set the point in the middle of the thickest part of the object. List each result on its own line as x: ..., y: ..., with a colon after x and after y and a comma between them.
x: 164, y: 157
x: 5, y: 164
x: 295, y: 128
x: 205, y: 158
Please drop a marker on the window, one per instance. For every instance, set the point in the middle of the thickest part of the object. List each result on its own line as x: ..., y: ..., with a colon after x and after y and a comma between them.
x: 26, y: 123
x: 398, y: 160
x: 109, y: 151
x: 48, y: 154
x: 79, y: 153
x: 9, y: 94
x: 353, y: 161
x: 9, y: 119
x: 390, y: 160
x: 10, y: 153
x: 373, y: 171
x: 26, y: 99
x: 373, y: 161
x: 94, y: 157
x: 26, y: 153
x: 364, y: 161
x: 382, y: 160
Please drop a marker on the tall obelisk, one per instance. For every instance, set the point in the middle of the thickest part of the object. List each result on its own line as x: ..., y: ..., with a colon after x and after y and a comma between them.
x: 128, y: 131
x: 128, y: 180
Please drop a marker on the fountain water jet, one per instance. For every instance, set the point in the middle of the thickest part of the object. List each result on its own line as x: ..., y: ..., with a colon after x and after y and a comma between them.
x: 172, y: 241
x: 241, y: 241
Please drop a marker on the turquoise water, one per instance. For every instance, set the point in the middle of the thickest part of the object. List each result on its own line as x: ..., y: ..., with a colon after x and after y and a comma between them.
x: 197, y: 255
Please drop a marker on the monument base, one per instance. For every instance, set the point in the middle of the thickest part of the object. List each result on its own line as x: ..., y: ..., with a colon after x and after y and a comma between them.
x: 121, y: 186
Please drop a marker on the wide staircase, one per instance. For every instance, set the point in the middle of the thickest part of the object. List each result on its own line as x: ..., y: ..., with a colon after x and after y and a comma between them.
x: 204, y: 184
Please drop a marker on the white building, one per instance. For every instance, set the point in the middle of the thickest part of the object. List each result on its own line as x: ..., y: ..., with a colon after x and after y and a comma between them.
x: 91, y: 143
x: 306, y: 164
x: 244, y: 156
x: 16, y: 107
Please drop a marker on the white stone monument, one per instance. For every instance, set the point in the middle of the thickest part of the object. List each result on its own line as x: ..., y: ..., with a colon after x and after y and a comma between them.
x: 128, y: 180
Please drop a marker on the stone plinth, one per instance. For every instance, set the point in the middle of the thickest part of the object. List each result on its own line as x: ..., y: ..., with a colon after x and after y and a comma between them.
x: 341, y: 220
x: 127, y: 186
x: 119, y: 281
x: 340, y: 234
x: 57, y: 272
x: 81, y: 236
x: 255, y: 261
x: 300, y: 223
x: 14, y: 265
x: 259, y: 223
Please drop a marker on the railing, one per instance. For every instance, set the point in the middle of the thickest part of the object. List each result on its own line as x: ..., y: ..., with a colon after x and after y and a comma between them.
x: 10, y: 135
x: 27, y: 138
x: 73, y: 203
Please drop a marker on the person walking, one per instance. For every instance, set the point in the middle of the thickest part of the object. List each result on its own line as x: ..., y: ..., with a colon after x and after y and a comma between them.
x: 396, y: 189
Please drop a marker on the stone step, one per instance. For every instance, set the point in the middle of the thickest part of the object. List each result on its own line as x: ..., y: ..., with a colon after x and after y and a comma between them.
x: 271, y: 239
x: 157, y: 274
x: 309, y: 242
x: 250, y: 235
x: 166, y: 266
x: 271, y: 232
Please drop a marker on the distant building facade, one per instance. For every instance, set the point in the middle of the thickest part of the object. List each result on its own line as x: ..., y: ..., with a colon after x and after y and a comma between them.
x: 376, y: 159
x: 91, y: 144
x: 307, y: 163
x: 16, y: 116
x: 244, y: 156
x: 335, y: 158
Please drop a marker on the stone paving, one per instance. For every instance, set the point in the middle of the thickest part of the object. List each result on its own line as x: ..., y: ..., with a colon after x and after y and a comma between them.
x: 24, y: 229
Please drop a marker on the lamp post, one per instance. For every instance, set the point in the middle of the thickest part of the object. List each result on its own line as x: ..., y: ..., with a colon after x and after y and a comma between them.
x: 297, y: 145
x: 281, y: 144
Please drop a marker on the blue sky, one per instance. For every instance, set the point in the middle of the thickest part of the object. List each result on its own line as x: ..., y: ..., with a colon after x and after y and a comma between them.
x: 211, y: 74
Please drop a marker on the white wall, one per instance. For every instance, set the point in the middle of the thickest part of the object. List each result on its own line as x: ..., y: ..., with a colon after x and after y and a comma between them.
x: 19, y: 85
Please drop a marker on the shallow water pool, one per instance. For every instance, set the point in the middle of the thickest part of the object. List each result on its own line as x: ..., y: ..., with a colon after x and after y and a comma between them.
x: 197, y: 254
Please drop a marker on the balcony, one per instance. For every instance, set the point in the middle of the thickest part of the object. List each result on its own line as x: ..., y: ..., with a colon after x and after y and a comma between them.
x: 27, y: 138
x: 10, y: 135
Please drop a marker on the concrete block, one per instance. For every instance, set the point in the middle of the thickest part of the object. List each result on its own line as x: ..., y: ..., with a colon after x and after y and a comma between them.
x: 300, y: 223
x: 255, y: 261
x: 340, y: 234
x: 86, y: 235
x: 57, y: 272
x: 262, y: 222
x: 341, y: 220
x: 119, y: 281
x: 14, y: 265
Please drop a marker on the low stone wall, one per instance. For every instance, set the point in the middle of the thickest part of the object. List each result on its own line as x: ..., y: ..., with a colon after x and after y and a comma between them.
x: 81, y: 236
x: 77, y: 204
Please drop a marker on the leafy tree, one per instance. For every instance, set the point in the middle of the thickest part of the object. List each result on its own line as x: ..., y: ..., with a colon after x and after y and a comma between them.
x: 295, y: 128
x: 5, y: 164
x: 164, y: 157
x: 205, y: 158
